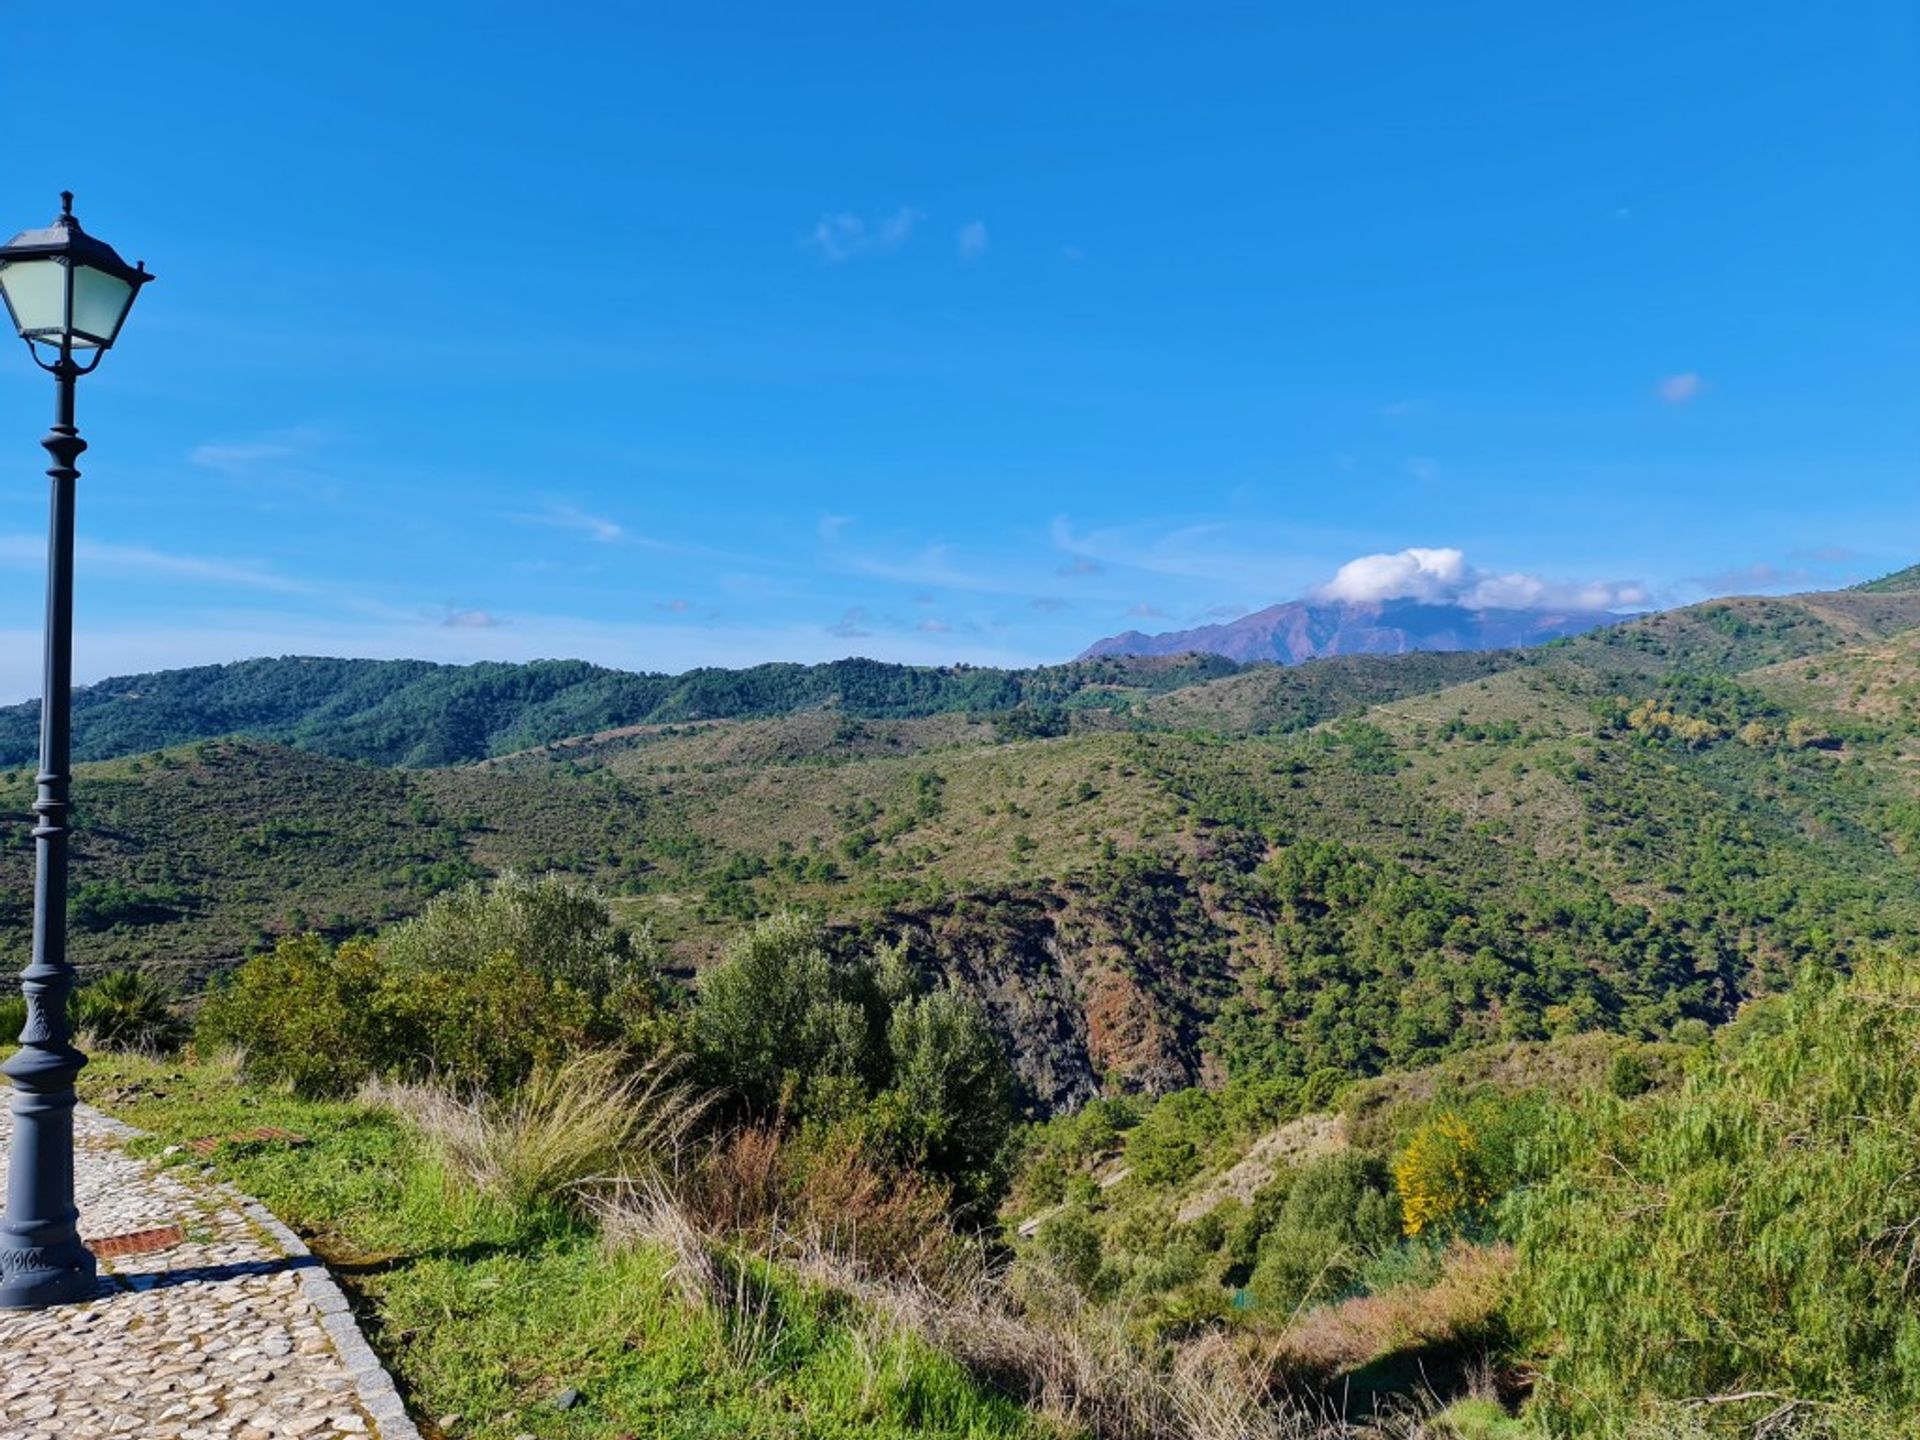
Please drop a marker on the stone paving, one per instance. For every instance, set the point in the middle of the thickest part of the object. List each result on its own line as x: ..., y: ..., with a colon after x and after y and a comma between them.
x: 235, y: 1333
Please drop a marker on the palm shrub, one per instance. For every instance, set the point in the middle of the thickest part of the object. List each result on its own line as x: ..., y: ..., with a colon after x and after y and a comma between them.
x: 1751, y: 1235
x: 122, y: 1010
x: 128, y: 1010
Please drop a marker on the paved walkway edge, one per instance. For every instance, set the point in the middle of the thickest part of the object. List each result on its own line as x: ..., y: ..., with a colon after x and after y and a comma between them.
x: 374, y: 1386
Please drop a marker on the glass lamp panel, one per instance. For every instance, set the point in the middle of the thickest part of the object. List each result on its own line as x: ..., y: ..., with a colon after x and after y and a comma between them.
x: 100, y: 303
x: 37, y: 294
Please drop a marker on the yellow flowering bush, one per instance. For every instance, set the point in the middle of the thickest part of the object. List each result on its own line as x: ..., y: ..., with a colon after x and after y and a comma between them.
x: 1441, y: 1175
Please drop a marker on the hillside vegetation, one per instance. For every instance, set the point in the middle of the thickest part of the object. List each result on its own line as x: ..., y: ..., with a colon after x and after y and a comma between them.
x: 412, y: 712
x: 770, y: 1202
x: 1626, y: 831
x: 1492, y: 1046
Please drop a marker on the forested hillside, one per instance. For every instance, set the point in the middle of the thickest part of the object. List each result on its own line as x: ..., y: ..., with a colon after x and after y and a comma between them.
x: 411, y: 712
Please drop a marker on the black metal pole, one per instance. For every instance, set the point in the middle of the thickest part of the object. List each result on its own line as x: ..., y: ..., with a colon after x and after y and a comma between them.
x: 42, y: 1261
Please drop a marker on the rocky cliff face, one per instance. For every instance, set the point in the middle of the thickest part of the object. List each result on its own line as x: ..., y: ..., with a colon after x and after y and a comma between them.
x: 1103, y: 982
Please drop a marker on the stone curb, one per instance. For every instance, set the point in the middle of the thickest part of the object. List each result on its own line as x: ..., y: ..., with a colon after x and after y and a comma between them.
x: 374, y: 1387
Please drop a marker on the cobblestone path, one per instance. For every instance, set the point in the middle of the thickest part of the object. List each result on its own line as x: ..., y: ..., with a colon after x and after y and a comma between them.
x: 234, y: 1333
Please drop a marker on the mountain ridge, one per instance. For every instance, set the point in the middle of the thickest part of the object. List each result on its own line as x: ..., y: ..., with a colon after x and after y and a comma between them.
x: 424, y: 713
x: 1299, y: 630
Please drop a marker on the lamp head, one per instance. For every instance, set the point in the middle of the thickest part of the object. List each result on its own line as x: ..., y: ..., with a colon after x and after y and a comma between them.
x: 65, y: 288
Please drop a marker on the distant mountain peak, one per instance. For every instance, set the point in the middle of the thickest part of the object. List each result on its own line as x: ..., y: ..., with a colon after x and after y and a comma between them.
x: 1314, y: 629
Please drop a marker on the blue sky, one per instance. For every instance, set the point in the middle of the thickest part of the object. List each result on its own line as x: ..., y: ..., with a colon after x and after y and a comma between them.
x: 675, y: 334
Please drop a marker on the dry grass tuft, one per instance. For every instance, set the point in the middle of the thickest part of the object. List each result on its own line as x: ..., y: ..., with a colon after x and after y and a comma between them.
x: 753, y: 1189
x: 1081, y: 1366
x: 585, y: 1123
x: 1461, y: 1304
x: 709, y: 1275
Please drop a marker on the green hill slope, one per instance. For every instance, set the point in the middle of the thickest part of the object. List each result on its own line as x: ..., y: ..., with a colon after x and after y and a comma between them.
x: 1899, y: 582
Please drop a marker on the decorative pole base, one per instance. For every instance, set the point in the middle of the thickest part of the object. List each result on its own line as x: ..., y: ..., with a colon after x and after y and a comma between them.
x: 37, y: 1279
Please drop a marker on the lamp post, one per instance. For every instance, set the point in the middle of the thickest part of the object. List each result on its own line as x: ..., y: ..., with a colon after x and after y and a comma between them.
x: 67, y: 294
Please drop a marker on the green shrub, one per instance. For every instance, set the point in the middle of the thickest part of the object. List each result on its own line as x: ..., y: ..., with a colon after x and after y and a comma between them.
x: 554, y: 926
x: 1416, y: 1260
x: 486, y: 986
x: 917, y: 1080
x: 1070, y: 1244
x: 1172, y: 1140
x: 305, y: 1015
x: 1750, y: 1234
x: 1628, y: 1075
x: 949, y: 1100
x: 1339, y: 1213
x: 778, y: 1020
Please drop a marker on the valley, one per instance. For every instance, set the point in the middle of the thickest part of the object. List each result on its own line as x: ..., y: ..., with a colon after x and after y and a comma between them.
x: 1152, y: 873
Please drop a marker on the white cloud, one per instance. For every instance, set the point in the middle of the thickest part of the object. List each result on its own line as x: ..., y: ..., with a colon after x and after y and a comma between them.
x: 832, y: 525
x: 845, y: 235
x: 1761, y: 576
x: 93, y: 555
x: 852, y: 625
x: 971, y: 241
x: 1442, y: 576
x: 1679, y: 389
x: 568, y: 517
x: 243, y: 455
x: 471, y: 620
x: 271, y: 449
x: 933, y: 627
x: 935, y: 565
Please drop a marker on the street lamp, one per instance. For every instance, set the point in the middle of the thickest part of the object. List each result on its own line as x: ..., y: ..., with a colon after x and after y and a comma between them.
x: 67, y: 294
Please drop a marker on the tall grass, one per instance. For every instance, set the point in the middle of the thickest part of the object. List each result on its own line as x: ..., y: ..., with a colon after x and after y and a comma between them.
x: 13, y: 1019
x: 1080, y: 1366
x: 585, y: 1122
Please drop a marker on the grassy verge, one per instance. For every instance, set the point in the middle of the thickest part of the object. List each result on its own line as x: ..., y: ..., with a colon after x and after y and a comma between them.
x: 490, y: 1313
